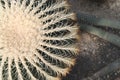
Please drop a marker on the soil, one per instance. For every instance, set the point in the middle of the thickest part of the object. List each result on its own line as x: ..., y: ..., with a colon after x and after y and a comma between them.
x: 95, y: 53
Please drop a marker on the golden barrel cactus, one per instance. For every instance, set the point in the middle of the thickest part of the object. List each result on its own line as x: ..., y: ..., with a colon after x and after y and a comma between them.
x: 38, y: 39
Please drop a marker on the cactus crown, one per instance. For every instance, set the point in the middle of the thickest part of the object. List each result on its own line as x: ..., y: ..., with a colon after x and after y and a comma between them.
x: 37, y: 39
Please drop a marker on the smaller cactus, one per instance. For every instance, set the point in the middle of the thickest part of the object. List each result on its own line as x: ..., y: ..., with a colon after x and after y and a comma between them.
x: 97, y: 21
x: 89, y: 22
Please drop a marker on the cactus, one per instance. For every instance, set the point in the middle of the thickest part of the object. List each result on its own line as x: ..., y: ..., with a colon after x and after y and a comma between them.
x: 38, y: 39
x: 89, y: 24
x: 97, y: 21
x: 112, y: 38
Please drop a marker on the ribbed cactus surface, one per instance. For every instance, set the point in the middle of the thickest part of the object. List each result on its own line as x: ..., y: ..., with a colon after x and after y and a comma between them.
x: 38, y: 39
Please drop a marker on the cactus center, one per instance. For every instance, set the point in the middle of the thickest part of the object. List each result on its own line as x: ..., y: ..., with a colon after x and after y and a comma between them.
x: 18, y: 33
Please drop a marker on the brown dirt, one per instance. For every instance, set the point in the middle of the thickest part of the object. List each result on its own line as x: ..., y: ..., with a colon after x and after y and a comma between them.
x: 95, y: 53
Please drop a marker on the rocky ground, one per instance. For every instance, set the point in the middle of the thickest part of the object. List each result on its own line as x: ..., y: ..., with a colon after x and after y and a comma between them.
x: 95, y: 53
